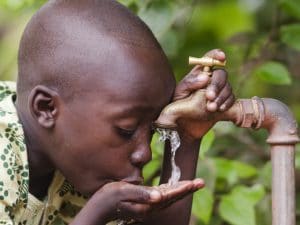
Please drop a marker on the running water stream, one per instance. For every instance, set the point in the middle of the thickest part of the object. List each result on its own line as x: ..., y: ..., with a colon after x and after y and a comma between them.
x: 174, y: 138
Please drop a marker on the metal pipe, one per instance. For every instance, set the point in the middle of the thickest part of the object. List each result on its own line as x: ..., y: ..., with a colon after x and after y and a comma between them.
x: 255, y: 113
x: 283, y: 185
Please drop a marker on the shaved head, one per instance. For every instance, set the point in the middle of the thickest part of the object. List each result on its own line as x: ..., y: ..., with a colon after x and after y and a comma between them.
x: 66, y: 38
x: 88, y: 71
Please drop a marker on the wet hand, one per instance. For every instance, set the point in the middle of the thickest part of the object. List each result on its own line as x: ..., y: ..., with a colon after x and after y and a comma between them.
x: 128, y: 202
x: 218, y: 91
x: 218, y: 94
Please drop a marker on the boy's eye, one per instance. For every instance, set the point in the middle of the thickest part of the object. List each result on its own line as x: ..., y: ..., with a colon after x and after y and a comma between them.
x: 125, y: 133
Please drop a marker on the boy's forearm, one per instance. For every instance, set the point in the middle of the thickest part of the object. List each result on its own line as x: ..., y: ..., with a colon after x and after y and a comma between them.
x: 186, y: 159
x: 92, y: 213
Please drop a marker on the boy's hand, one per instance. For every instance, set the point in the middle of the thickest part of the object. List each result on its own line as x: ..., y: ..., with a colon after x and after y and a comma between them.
x: 218, y: 94
x: 125, y: 201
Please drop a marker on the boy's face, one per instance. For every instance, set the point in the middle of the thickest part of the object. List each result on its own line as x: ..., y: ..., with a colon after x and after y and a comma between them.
x: 103, y: 133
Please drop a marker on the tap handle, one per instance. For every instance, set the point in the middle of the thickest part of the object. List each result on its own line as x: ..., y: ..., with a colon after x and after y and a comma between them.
x: 206, y: 62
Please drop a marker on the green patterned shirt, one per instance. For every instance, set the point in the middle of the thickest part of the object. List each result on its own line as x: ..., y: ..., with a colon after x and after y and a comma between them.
x: 17, y: 205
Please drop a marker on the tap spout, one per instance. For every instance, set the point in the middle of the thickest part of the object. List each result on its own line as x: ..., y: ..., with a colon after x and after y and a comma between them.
x: 192, y: 106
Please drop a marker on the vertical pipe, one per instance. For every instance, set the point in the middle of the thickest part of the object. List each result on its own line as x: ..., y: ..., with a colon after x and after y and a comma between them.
x: 283, y: 184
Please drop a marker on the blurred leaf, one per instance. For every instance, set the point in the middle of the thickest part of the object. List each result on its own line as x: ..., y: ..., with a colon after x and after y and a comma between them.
x: 273, y: 73
x: 223, y: 19
x: 206, y: 169
x: 15, y: 5
x: 150, y: 169
x: 237, y: 207
x: 265, y: 175
x: 206, y: 143
x: 157, y: 147
x: 203, y: 205
x: 290, y: 35
x: 159, y: 17
x: 127, y: 2
x: 298, y: 203
x: 170, y: 43
x: 155, y: 181
x: 231, y: 170
x: 291, y: 7
x: 131, y: 4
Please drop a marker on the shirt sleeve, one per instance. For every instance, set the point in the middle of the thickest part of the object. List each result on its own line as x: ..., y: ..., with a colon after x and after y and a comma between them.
x: 9, y: 187
x: 13, y: 178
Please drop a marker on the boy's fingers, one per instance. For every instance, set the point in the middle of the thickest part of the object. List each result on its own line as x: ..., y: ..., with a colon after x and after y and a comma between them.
x: 198, y: 79
x: 176, y: 193
x: 228, y: 103
x: 193, y: 81
x: 151, y: 195
x: 216, y: 54
x: 139, y: 194
x: 217, y: 83
x: 180, y: 189
x: 223, y: 95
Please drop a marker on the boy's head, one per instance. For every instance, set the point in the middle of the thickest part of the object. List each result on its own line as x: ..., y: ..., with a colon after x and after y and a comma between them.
x: 92, y: 79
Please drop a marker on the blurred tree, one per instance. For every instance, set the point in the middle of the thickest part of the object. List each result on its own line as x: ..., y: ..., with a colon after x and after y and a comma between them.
x: 262, y: 42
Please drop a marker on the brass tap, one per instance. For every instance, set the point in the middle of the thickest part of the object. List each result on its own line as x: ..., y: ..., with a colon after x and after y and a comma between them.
x: 207, y: 62
x: 193, y: 105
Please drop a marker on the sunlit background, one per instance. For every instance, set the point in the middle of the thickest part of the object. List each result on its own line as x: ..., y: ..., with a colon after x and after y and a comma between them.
x: 262, y: 41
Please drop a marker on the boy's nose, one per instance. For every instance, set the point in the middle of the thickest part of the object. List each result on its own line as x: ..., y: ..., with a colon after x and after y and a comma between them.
x: 141, y: 155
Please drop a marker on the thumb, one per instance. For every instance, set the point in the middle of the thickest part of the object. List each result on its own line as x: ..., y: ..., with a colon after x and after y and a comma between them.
x: 140, y: 194
x: 195, y: 80
x: 216, y: 54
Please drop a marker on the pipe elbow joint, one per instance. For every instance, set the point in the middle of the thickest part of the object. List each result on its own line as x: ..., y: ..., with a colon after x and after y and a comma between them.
x: 270, y: 114
x: 280, y: 123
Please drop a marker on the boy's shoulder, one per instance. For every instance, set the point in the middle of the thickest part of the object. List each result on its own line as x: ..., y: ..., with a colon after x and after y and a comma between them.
x: 7, y: 97
x: 7, y: 88
x: 13, y: 156
x: 20, y: 205
x: 14, y: 171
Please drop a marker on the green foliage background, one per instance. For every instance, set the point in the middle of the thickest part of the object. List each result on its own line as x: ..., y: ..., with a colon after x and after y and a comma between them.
x: 262, y: 41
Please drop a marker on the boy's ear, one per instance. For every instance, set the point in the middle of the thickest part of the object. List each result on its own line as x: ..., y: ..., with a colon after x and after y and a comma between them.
x: 43, y: 103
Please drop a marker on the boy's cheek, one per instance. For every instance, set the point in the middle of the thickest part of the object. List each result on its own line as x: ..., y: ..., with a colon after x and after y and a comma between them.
x: 105, y: 166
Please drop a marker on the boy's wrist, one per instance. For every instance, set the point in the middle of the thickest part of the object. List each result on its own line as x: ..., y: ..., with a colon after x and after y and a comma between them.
x: 95, y: 212
x: 193, y: 130
x: 187, y: 137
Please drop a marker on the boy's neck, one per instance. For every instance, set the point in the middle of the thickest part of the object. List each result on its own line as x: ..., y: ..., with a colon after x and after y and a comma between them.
x: 38, y: 186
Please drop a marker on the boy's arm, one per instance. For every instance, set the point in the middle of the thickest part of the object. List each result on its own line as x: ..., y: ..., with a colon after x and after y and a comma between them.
x: 125, y: 201
x: 190, y: 134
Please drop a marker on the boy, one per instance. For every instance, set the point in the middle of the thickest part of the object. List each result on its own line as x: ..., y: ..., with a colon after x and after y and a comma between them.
x: 76, y: 135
